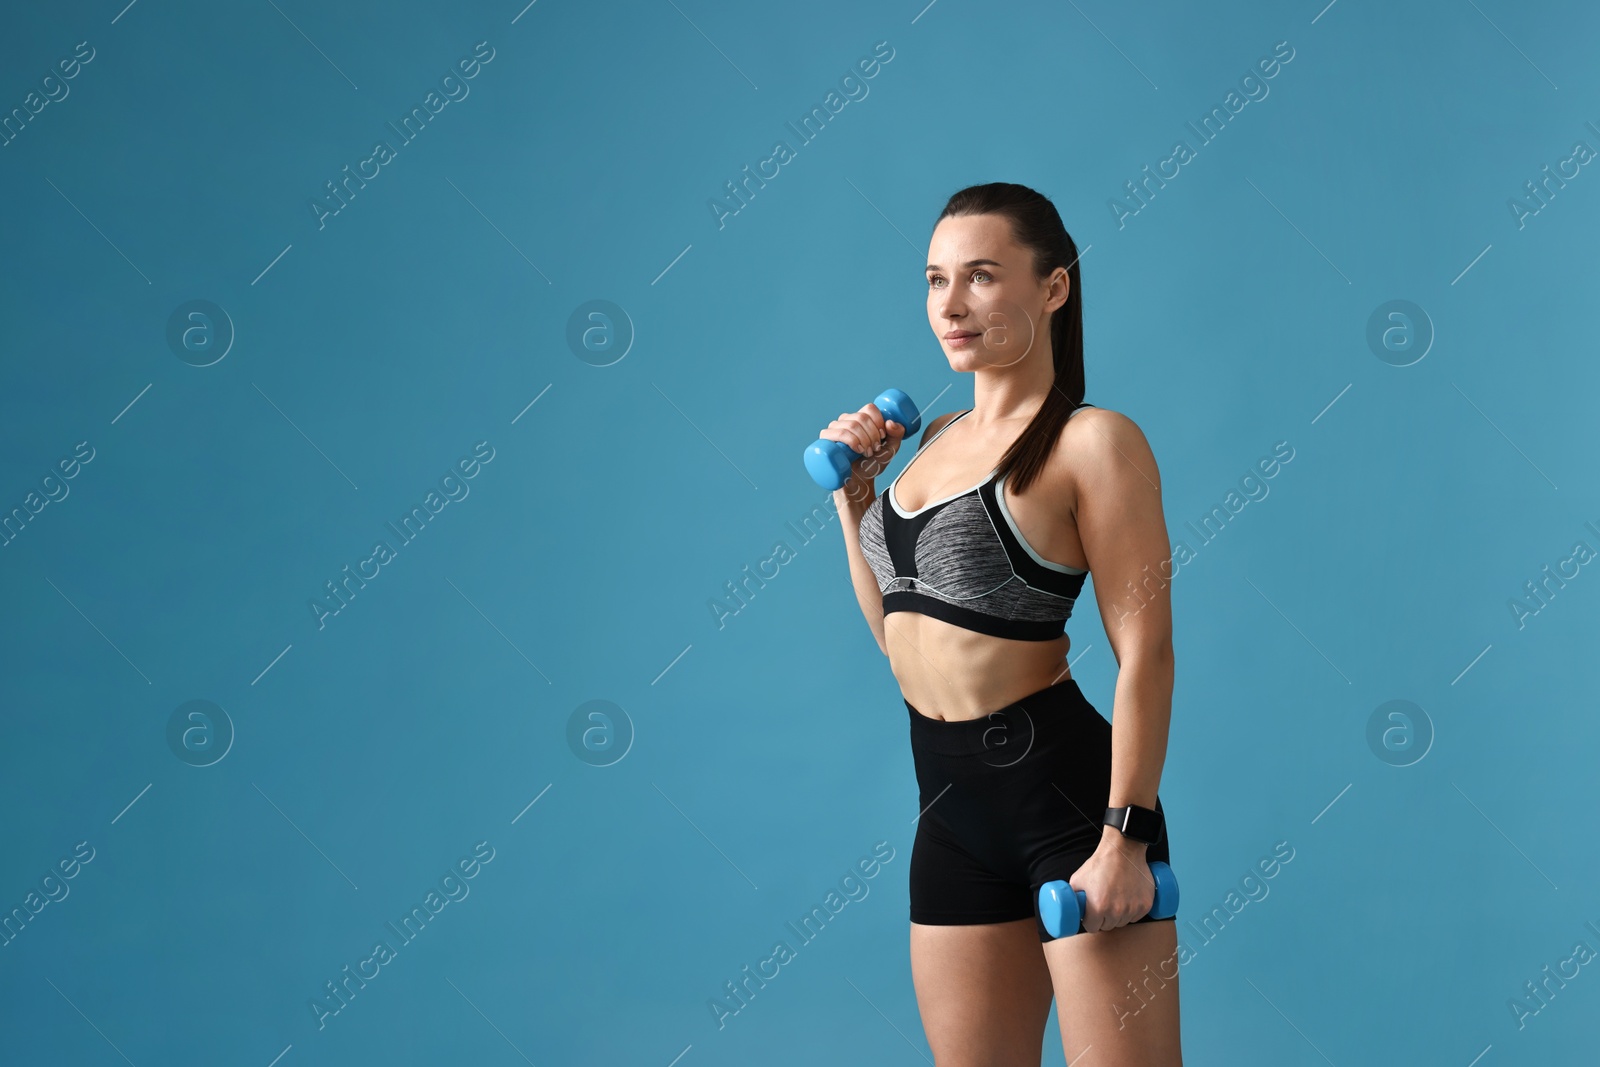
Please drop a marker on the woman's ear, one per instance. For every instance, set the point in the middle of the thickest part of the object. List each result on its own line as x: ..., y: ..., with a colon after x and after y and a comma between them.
x: 1059, y: 279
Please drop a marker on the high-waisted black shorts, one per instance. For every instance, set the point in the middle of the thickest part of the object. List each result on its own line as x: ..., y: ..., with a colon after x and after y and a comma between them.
x: 1010, y: 801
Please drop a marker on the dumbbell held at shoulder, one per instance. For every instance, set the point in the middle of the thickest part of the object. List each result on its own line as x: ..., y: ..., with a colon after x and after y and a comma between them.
x: 858, y: 445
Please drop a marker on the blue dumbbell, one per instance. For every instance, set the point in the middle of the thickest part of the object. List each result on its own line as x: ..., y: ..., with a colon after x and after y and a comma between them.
x: 1061, y: 907
x: 828, y: 462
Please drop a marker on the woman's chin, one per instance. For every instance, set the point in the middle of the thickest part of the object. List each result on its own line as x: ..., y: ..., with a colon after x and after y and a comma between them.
x: 969, y: 358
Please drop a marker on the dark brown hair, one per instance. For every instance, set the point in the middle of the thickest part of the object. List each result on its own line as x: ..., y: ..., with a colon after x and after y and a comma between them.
x: 1036, y: 225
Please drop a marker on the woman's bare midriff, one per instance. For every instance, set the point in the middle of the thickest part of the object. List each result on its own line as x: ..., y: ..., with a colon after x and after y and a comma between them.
x: 947, y: 672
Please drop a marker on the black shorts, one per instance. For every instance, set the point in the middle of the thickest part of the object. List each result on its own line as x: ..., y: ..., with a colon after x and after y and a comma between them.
x: 1009, y: 801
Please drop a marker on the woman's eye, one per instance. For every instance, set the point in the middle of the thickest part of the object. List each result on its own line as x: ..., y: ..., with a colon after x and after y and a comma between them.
x: 934, y: 280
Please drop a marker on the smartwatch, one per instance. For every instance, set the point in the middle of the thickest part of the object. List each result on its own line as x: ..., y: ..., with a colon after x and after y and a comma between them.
x: 1136, y: 823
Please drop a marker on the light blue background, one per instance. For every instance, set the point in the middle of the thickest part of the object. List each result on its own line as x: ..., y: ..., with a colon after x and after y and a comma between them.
x: 770, y: 754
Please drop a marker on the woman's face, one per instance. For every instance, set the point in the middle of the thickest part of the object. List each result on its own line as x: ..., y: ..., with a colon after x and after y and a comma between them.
x: 984, y: 303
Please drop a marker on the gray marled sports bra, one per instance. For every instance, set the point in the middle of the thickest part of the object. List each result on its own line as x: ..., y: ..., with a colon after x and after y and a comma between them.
x: 963, y: 560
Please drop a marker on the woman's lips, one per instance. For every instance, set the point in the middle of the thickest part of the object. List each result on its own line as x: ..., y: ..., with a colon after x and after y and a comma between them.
x: 960, y: 339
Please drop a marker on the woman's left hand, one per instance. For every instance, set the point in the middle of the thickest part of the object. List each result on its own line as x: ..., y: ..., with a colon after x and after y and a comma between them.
x: 1117, y: 885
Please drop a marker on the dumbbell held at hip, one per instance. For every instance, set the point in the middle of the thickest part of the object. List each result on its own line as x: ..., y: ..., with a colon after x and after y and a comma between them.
x: 828, y: 462
x: 1061, y: 907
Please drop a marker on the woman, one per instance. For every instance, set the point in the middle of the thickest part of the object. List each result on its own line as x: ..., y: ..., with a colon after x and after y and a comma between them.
x: 966, y: 588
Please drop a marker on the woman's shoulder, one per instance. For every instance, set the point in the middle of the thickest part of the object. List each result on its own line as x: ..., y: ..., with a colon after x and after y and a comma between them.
x: 1091, y: 418
x: 1096, y: 437
x: 938, y: 424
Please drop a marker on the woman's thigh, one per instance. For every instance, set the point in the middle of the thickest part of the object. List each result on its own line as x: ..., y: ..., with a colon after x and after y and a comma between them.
x: 983, y: 991
x: 1117, y: 992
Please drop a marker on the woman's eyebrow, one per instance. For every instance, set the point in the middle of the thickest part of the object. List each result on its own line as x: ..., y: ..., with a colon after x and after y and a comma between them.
x: 972, y: 263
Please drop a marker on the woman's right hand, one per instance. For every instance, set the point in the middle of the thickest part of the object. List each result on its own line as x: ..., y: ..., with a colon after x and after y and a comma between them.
x: 876, y: 438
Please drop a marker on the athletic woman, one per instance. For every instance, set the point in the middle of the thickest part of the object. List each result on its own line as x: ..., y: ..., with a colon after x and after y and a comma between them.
x: 966, y: 570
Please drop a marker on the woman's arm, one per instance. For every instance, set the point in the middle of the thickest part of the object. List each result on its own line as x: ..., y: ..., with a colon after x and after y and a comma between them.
x: 1124, y: 535
x: 851, y: 501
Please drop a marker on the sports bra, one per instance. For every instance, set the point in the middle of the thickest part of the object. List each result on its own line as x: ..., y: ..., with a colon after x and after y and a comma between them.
x: 963, y: 560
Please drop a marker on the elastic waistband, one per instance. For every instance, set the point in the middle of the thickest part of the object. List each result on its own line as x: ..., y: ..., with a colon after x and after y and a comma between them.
x: 1013, y: 728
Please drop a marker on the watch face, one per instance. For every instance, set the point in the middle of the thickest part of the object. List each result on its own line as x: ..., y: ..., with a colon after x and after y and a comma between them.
x: 1141, y: 824
x: 1145, y: 826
